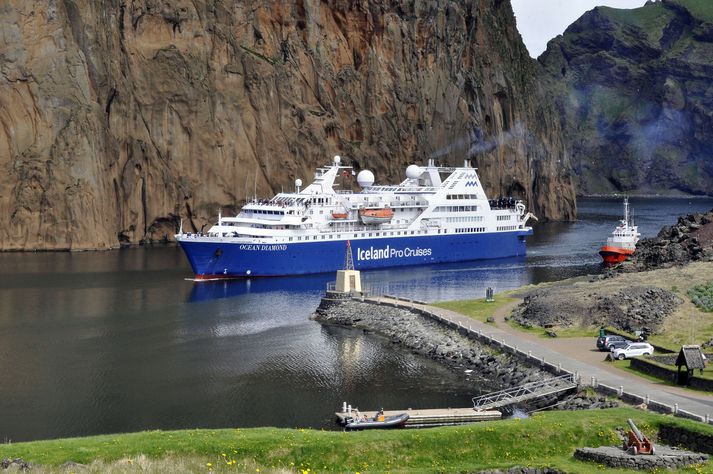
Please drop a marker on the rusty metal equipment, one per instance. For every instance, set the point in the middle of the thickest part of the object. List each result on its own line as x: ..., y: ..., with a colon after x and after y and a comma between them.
x: 637, y: 442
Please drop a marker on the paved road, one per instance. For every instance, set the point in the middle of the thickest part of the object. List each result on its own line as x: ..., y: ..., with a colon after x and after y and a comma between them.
x: 578, y: 355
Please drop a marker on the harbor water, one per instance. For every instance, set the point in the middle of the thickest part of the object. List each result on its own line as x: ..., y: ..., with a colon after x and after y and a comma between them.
x: 105, y: 342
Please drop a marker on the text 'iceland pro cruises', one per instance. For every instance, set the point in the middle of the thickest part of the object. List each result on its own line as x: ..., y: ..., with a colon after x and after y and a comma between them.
x: 437, y: 214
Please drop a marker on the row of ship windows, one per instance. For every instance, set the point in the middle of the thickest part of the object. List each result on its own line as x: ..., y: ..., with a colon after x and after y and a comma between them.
x: 461, y: 196
x: 468, y: 230
x: 508, y: 227
x: 504, y: 218
x: 362, y: 234
x: 456, y: 209
x: 464, y: 219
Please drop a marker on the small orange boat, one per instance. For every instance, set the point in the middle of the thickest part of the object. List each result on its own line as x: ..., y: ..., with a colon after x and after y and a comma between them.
x: 340, y: 215
x: 379, y: 215
x: 622, y: 241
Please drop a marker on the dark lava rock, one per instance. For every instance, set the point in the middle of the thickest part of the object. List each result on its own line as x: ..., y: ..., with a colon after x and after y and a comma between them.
x: 523, y: 470
x: 17, y: 463
x: 629, y: 309
x: 691, y: 239
x: 581, y: 401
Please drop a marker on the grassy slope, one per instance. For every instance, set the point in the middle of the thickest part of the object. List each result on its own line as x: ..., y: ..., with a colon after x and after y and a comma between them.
x: 478, y: 309
x: 547, y: 439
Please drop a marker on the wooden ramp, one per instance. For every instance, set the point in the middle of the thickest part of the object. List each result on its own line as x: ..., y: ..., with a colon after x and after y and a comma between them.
x: 528, y: 391
x: 433, y: 416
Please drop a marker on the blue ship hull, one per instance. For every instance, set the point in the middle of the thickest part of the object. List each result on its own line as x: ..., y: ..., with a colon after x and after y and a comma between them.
x: 210, y: 260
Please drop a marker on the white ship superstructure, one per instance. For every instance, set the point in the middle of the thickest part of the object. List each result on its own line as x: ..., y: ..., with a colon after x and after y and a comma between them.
x: 432, y: 206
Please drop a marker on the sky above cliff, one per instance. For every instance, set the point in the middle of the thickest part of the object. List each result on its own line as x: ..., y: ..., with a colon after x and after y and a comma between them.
x: 541, y: 20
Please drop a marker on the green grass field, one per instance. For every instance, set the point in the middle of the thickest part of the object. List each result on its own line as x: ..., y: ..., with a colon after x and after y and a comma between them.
x: 546, y: 439
x: 479, y: 309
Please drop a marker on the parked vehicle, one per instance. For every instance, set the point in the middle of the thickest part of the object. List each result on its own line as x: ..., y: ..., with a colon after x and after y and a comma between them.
x: 633, y: 350
x: 619, y: 344
x: 604, y: 341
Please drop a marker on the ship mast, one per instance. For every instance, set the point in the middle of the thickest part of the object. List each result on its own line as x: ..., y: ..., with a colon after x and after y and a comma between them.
x: 626, y: 211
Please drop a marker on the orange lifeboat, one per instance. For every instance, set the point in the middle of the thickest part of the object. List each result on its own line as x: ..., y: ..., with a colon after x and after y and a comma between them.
x: 340, y: 215
x: 380, y: 215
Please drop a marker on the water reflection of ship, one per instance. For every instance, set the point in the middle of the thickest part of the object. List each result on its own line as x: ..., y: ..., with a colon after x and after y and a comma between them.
x: 418, y: 282
x: 204, y: 291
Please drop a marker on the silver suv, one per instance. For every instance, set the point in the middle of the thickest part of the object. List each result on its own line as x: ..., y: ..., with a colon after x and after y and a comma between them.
x: 633, y: 350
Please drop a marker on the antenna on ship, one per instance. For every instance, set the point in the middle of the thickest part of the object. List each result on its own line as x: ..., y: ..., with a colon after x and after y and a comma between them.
x: 626, y: 210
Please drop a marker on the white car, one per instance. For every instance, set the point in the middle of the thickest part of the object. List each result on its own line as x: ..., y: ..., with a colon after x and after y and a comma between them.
x: 632, y: 350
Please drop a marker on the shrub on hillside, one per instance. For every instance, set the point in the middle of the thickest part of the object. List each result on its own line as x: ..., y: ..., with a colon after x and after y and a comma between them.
x: 702, y: 296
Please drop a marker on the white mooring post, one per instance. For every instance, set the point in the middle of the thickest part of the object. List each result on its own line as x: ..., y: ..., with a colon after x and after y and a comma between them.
x: 621, y: 390
x: 708, y: 418
x: 344, y: 407
x: 648, y: 399
x: 675, y: 408
x: 349, y: 409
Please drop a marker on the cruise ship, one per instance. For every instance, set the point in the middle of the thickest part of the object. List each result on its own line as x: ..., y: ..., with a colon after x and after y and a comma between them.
x: 437, y: 214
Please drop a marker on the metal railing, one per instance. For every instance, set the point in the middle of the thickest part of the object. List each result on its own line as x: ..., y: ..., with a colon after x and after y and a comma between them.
x: 524, y: 392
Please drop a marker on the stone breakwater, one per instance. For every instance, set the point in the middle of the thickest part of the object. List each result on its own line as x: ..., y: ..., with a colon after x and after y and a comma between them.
x: 431, y: 339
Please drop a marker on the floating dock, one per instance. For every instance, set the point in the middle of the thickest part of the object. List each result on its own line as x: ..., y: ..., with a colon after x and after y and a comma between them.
x: 432, y: 416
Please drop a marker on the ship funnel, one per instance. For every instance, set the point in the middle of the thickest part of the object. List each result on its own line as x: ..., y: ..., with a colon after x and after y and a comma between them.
x: 466, y: 163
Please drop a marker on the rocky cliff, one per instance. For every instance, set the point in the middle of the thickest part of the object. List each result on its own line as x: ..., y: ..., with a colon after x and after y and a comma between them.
x: 636, y: 98
x: 119, y: 118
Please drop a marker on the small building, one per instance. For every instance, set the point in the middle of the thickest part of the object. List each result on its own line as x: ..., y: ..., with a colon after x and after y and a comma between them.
x: 691, y: 358
x: 348, y: 281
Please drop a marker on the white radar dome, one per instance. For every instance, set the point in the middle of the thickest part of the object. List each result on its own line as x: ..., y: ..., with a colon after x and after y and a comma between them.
x: 298, y: 182
x: 337, y: 159
x: 413, y: 171
x: 365, y: 178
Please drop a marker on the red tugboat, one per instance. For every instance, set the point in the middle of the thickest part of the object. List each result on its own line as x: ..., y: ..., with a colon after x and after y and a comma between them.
x: 622, y: 241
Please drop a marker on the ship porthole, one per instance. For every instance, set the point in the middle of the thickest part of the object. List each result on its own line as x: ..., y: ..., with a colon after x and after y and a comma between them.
x: 218, y: 252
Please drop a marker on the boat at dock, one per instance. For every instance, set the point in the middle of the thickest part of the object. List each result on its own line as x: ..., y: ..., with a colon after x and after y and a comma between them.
x: 377, y: 422
x: 436, y: 215
x: 622, y: 242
